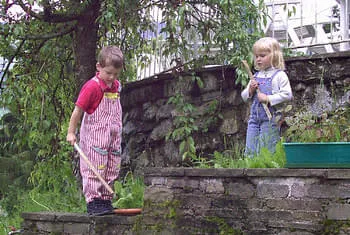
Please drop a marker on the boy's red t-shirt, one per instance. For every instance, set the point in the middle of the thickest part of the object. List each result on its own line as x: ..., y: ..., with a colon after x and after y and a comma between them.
x: 91, y: 94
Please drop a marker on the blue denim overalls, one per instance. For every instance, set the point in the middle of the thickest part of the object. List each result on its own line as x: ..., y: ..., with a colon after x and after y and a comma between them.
x: 261, y: 131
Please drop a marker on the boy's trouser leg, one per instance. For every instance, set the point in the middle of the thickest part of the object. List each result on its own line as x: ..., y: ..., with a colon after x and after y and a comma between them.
x: 92, y: 186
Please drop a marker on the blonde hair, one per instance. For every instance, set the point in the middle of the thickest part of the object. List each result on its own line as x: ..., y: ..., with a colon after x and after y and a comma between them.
x: 270, y: 45
x: 111, y: 55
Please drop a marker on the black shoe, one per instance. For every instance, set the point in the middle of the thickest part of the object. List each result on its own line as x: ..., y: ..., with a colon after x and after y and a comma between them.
x: 109, y: 205
x: 99, y: 207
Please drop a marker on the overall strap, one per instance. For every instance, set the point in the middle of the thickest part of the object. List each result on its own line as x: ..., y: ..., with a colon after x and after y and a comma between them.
x: 276, y: 72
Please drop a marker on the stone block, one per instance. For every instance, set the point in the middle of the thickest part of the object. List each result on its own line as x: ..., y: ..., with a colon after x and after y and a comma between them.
x: 329, y: 191
x: 241, y: 190
x: 299, y: 190
x: 76, y: 228
x: 265, y: 190
x: 190, y: 200
x: 50, y: 226
x: 158, y: 194
x: 294, y: 204
x: 265, y: 215
x: 212, y: 186
x: 337, y: 211
x: 230, y: 126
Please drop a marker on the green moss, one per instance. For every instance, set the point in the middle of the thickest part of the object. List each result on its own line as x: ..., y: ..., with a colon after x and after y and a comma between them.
x: 138, y: 225
x: 334, y: 227
x: 165, y: 211
x: 223, y: 227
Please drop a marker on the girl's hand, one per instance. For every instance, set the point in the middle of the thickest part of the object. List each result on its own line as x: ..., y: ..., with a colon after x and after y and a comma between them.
x: 263, y: 98
x: 253, y: 86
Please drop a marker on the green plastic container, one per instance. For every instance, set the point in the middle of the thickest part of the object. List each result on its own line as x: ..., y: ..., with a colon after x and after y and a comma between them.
x: 318, y: 155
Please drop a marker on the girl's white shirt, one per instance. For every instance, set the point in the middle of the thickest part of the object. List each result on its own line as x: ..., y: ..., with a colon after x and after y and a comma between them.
x: 281, y: 89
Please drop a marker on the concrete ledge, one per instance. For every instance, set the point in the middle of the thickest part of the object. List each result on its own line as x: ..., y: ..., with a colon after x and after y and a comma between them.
x: 257, y: 172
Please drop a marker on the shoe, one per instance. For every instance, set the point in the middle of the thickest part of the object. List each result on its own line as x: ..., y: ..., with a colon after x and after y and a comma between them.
x: 98, y: 207
x: 109, y: 205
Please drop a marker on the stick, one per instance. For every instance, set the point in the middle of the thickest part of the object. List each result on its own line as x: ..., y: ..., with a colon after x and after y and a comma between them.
x: 76, y: 146
x: 247, y: 68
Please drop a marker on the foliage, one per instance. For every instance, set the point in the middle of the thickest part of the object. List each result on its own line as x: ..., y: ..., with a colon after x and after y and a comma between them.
x: 190, y: 121
x: 18, y: 201
x: 184, y: 122
x: 287, y: 52
x: 332, y: 126
x: 60, y: 182
x: 265, y: 159
x: 130, y: 192
x: 228, y: 27
x: 184, y: 127
x: 15, y: 165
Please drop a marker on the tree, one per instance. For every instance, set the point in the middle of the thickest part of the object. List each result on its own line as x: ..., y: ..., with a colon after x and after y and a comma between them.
x: 52, y: 47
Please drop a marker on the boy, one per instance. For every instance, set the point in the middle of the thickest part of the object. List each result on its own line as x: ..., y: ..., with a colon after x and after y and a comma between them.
x: 101, y: 129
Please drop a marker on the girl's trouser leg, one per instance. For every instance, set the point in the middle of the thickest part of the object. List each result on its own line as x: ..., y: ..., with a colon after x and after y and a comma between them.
x: 269, y: 136
x: 252, y: 138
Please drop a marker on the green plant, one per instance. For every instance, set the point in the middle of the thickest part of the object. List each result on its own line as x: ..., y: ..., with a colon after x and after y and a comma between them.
x: 17, y: 201
x: 130, y: 192
x: 189, y: 121
x: 265, y: 159
x: 184, y: 127
x: 202, y: 162
x: 211, y: 114
x: 229, y: 157
x: 330, y: 126
x: 184, y: 122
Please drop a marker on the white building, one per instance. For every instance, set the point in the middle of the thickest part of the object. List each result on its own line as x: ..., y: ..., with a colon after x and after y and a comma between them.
x: 309, y: 26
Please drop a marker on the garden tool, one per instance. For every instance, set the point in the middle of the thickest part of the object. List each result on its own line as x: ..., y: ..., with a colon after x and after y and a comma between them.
x: 76, y: 146
x: 246, y: 66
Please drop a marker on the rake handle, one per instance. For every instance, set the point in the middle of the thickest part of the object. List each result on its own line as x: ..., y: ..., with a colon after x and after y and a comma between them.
x: 82, y: 154
x: 247, y: 68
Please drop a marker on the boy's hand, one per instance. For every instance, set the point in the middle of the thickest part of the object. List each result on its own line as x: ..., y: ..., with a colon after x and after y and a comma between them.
x: 253, y: 86
x: 71, y: 138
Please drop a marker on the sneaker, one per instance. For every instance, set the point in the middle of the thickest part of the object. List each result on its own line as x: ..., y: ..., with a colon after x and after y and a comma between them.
x: 109, y: 205
x: 99, y: 207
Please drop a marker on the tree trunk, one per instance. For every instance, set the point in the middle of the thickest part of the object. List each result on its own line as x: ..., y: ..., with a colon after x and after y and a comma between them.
x: 85, y: 45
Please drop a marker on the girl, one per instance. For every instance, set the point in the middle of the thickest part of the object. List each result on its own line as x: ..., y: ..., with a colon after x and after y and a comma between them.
x: 271, y: 86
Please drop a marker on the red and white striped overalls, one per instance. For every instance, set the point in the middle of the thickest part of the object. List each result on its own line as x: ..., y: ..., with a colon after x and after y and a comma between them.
x: 100, y: 140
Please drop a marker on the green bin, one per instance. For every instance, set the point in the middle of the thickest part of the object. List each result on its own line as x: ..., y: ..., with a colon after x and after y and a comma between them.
x: 318, y: 155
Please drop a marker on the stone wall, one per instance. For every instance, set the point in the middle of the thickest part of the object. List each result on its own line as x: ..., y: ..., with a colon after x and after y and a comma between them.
x: 222, y: 201
x: 255, y: 201
x: 148, y: 117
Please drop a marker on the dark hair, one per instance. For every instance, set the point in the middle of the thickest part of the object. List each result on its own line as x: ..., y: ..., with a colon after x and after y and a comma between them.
x: 111, y: 55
